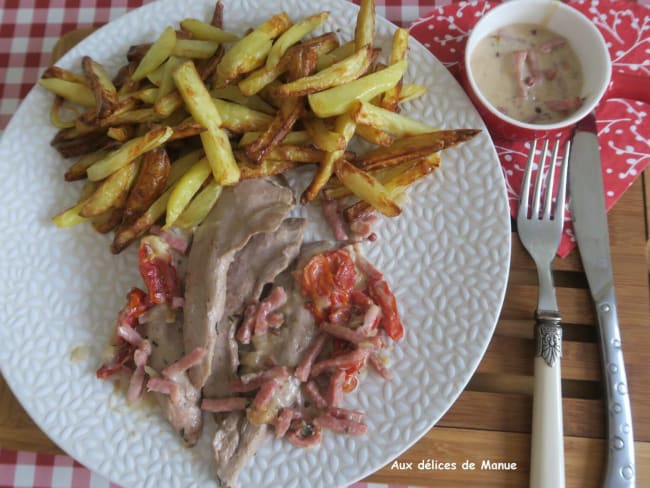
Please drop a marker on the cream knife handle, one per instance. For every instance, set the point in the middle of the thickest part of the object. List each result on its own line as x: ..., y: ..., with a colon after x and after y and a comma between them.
x: 620, y: 470
x: 547, y: 443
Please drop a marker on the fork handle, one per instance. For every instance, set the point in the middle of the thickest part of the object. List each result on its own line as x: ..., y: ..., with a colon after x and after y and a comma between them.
x: 547, y: 443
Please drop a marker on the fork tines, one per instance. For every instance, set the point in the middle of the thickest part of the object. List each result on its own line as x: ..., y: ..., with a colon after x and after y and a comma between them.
x: 544, y: 184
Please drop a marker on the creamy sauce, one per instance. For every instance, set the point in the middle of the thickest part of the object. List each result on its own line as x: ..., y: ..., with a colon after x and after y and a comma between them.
x: 529, y: 73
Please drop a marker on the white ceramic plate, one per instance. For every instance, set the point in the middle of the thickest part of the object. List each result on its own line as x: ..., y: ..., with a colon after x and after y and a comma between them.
x: 446, y: 257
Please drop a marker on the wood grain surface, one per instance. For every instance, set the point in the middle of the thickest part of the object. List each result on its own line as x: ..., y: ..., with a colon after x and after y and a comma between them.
x: 491, y: 418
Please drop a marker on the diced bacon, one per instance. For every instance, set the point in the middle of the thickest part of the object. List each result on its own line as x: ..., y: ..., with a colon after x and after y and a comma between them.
x: 279, y: 372
x: 519, y: 61
x: 157, y: 269
x: 345, y: 413
x: 178, y: 302
x: 334, y: 218
x: 370, y: 320
x: 306, y: 436
x: 354, y: 357
x: 193, y: 358
x: 550, y: 73
x: 362, y: 227
x: 372, y: 343
x: 368, y: 269
x: 265, y: 394
x: 344, y: 426
x: 224, y: 404
x: 551, y: 45
x: 532, y: 60
x: 334, y: 396
x: 259, y: 317
x: 304, y: 368
x: 161, y: 385
x: 137, y: 380
x: 377, y: 363
x: 342, y: 332
x: 174, y: 238
x: 130, y: 335
x: 245, y: 331
x: 312, y: 391
x: 565, y: 104
x: 284, y: 419
x: 117, y: 363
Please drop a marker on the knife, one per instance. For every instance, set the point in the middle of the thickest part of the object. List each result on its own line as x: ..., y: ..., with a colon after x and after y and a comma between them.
x: 589, y: 215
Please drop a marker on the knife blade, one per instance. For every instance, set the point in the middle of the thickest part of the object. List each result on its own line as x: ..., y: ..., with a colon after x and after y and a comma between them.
x: 589, y: 216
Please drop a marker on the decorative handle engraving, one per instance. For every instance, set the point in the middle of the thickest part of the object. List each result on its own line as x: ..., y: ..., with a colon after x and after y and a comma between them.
x: 548, y: 335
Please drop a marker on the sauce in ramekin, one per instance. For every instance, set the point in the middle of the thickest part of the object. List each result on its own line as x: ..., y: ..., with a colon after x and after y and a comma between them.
x: 529, y: 73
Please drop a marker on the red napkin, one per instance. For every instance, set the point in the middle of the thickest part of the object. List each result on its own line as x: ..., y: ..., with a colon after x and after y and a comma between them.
x: 623, y: 125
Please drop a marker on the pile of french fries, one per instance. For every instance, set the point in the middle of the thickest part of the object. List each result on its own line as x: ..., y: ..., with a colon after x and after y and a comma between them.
x: 201, y: 108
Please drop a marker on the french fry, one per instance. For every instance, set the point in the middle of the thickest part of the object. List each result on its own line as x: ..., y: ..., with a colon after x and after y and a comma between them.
x: 322, y: 137
x: 182, y: 166
x: 390, y: 99
x: 294, y: 153
x: 206, y: 32
x: 344, y: 71
x: 374, y: 135
x: 367, y: 188
x: 364, y: 32
x: 109, y: 220
x: 293, y: 35
x: 195, y: 49
x: 239, y: 119
x: 365, y: 113
x: 69, y: 217
x: 137, y: 52
x: 208, y: 67
x: 414, y: 147
x: 268, y: 167
x: 148, y: 185
x: 70, y: 143
x: 249, y: 53
x: 410, y: 91
x: 217, y: 15
x: 166, y: 84
x: 215, y: 141
x: 156, y: 75
x: 187, y: 128
x: 168, y: 104
x: 328, y: 59
x: 146, y: 95
x: 110, y: 190
x: 346, y: 127
x: 138, y: 116
x: 125, y: 235
x: 396, y: 184
x: 156, y: 54
x: 232, y: 93
x: 122, y: 133
x: 128, y: 152
x: 294, y: 137
x: 64, y: 74
x: 199, y: 208
x: 185, y: 189
x: 70, y: 90
x: 55, y: 114
x: 101, y: 85
x: 339, y: 99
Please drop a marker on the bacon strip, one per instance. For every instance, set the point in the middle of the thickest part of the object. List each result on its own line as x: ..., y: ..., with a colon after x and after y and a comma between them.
x: 137, y: 381
x: 352, y: 357
x: 334, y: 396
x: 376, y: 362
x: 345, y: 413
x: 161, y: 385
x: 330, y: 209
x: 519, y: 61
x: 342, y: 332
x: 344, y: 426
x: 186, y: 362
x: 370, y: 320
x: 283, y: 420
x: 304, y: 368
x: 265, y: 394
x: 224, y: 404
x: 312, y: 391
x: 551, y: 45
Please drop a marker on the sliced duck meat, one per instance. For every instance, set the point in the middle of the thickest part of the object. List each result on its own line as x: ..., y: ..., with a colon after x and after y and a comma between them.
x: 178, y: 398
x: 242, y: 211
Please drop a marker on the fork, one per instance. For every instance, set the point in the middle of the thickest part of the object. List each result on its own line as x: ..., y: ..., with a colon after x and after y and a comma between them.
x: 539, y: 226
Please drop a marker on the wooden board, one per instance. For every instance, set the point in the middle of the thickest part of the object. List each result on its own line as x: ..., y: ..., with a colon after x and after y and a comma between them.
x: 491, y: 419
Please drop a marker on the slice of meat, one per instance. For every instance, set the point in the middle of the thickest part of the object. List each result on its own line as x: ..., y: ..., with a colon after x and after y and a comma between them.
x: 180, y: 404
x: 265, y: 256
x: 248, y: 208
